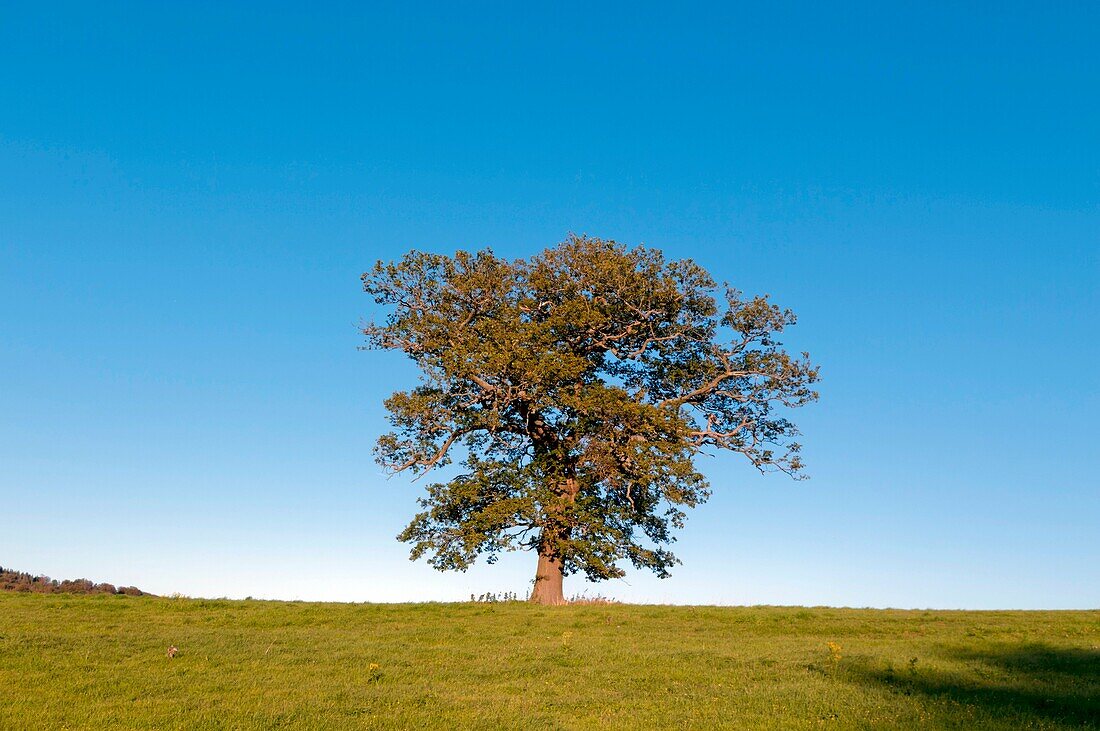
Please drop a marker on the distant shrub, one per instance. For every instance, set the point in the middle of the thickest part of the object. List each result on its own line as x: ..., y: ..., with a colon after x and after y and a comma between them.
x: 493, y: 597
x: 511, y: 596
x: 583, y: 599
x: 11, y: 580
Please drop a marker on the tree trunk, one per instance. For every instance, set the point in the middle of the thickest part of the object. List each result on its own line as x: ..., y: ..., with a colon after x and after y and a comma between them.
x: 548, y: 581
x: 548, y: 575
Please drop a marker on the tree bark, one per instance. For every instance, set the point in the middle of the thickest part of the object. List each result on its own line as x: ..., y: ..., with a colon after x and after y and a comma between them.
x: 548, y: 574
x: 548, y: 581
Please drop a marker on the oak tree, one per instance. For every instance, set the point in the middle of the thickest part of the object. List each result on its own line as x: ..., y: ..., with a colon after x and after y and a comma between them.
x: 576, y: 388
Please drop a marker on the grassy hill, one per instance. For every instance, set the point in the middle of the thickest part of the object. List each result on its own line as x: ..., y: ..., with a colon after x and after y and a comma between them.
x: 100, y: 662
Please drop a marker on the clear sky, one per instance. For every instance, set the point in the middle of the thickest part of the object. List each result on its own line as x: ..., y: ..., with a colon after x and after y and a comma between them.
x: 189, y: 192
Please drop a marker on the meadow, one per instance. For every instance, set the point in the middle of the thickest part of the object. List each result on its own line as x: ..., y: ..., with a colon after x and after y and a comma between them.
x: 101, y: 662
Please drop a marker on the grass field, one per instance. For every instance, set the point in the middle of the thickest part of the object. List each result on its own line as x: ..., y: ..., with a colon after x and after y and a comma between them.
x: 100, y: 662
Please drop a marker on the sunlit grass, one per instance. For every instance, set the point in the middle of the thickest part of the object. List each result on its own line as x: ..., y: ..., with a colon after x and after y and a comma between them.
x: 102, y: 662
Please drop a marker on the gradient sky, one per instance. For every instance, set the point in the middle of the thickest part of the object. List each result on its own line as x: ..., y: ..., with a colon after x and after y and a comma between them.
x: 189, y: 192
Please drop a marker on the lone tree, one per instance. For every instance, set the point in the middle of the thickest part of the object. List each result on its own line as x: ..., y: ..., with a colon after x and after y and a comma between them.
x: 577, y: 387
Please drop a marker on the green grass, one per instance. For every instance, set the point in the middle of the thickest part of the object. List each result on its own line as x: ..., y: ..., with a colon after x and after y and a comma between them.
x: 99, y: 662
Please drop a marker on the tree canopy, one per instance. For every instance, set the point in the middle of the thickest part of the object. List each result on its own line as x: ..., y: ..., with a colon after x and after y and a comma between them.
x: 575, y: 388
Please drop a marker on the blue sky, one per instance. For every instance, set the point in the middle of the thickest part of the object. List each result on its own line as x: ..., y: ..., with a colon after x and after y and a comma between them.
x: 189, y: 192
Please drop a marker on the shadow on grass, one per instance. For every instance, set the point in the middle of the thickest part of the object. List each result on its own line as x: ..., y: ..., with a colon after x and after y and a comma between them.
x: 1014, y: 684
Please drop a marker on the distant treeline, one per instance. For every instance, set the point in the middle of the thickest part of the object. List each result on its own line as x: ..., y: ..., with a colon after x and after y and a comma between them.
x: 21, y: 581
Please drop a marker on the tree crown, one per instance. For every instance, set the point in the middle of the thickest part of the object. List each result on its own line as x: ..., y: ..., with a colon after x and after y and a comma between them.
x: 579, y: 385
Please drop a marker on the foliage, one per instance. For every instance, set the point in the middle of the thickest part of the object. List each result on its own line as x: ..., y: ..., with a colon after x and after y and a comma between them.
x: 11, y: 580
x: 95, y: 662
x: 582, y: 383
x: 493, y: 597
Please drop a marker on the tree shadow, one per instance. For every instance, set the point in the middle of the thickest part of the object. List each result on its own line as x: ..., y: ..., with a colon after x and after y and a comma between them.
x: 1016, y: 684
